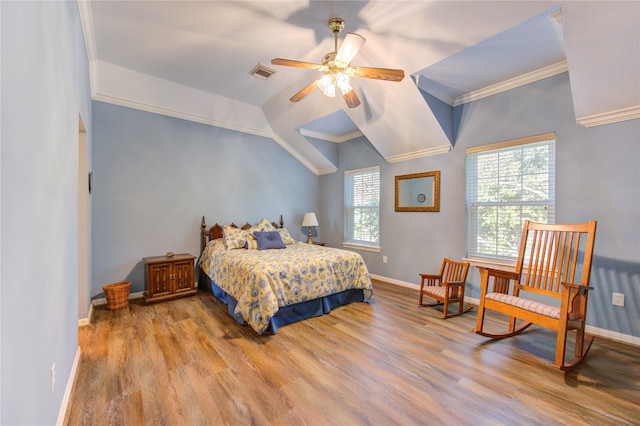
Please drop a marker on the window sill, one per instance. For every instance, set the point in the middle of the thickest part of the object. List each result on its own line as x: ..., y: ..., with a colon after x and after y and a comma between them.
x: 491, y: 263
x: 357, y: 246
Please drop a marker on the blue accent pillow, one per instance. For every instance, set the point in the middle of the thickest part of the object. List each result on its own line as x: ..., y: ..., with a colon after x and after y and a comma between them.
x: 269, y: 240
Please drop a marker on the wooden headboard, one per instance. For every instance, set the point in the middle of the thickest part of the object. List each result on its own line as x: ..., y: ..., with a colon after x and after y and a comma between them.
x: 215, y: 231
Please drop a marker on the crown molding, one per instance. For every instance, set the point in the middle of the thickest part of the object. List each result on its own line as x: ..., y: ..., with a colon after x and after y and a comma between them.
x: 129, y: 103
x: 625, y: 114
x: 521, y: 80
x: 434, y: 90
x: 296, y: 154
x: 327, y: 171
x: 86, y: 21
x: 331, y: 138
x: 503, y: 86
x: 419, y: 154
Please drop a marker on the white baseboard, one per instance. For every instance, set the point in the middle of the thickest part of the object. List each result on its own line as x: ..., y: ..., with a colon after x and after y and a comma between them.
x: 595, y: 331
x: 67, y: 391
x: 103, y: 300
x: 83, y: 322
x: 394, y: 281
x: 612, y: 335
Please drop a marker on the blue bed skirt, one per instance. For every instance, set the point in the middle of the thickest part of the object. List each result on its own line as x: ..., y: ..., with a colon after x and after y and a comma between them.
x: 292, y: 313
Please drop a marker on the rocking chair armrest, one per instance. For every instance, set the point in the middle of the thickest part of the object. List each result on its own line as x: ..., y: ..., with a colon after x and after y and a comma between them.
x: 573, y: 305
x: 500, y: 273
x: 580, y: 288
x: 430, y: 276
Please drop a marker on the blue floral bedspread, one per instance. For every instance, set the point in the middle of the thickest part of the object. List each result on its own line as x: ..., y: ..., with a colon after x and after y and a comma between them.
x: 262, y: 281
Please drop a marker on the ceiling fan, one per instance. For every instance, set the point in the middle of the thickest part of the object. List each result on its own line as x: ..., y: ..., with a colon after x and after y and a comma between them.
x: 337, y: 69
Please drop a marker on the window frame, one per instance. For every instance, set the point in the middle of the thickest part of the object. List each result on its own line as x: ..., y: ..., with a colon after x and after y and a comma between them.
x: 472, y: 205
x: 349, y: 240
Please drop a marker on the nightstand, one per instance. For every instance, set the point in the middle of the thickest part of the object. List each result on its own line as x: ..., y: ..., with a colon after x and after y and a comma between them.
x: 317, y: 243
x: 169, y: 277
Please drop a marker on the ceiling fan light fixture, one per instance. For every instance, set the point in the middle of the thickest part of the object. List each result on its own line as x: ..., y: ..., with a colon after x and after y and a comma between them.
x: 346, y: 89
x: 342, y: 80
x: 333, y: 79
x: 327, y: 85
x: 324, y: 83
x: 331, y: 91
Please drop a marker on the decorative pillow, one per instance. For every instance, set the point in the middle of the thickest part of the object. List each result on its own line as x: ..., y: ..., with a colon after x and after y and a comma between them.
x: 269, y: 240
x: 234, y: 238
x: 263, y: 226
x: 286, y: 236
x: 251, y: 244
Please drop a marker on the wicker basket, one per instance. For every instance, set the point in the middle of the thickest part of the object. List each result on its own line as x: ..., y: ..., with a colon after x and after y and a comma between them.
x: 117, y: 294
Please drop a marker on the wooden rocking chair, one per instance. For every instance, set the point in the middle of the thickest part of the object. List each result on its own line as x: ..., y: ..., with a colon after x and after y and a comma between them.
x: 446, y: 287
x: 555, y: 262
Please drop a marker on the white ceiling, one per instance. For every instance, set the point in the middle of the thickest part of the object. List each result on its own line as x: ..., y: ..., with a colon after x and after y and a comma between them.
x: 191, y: 59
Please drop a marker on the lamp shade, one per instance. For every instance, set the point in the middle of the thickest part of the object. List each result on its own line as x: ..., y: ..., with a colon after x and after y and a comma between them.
x: 310, y: 220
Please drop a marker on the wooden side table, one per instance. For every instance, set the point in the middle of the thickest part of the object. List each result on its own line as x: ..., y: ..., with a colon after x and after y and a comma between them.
x: 169, y: 277
x: 318, y: 243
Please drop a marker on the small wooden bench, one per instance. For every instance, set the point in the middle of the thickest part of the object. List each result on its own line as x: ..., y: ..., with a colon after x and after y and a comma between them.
x: 554, y: 263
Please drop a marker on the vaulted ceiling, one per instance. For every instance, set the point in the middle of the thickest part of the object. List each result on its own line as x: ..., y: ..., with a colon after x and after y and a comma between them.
x: 192, y: 60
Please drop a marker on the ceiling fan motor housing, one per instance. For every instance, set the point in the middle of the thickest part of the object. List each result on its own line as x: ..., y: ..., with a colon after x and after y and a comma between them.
x: 329, y: 57
x: 336, y: 25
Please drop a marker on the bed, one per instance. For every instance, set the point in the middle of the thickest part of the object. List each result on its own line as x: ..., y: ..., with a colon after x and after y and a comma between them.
x: 270, y: 284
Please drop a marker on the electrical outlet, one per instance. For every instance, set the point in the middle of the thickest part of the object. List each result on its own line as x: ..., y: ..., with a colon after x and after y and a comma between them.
x: 384, y: 259
x: 53, y: 376
x: 617, y: 299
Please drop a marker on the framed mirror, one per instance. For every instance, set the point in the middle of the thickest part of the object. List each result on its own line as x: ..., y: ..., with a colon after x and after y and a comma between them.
x: 418, y: 192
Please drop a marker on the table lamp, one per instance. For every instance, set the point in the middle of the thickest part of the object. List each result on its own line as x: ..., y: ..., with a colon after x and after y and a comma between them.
x: 309, y: 221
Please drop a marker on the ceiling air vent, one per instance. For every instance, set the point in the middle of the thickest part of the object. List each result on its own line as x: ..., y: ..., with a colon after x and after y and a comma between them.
x: 262, y: 72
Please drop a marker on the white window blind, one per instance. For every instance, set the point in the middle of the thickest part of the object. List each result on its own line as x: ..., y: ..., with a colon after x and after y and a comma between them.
x: 362, y: 206
x: 507, y: 183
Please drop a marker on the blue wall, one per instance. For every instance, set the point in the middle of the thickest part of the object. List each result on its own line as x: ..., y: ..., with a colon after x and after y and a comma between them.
x: 45, y: 88
x: 597, y: 177
x: 156, y: 176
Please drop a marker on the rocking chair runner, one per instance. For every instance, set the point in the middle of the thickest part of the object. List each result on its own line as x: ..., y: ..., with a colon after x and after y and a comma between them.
x: 554, y: 261
x: 446, y: 287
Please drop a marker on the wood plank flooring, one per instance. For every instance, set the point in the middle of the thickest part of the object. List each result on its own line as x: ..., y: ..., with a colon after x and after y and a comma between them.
x: 186, y: 362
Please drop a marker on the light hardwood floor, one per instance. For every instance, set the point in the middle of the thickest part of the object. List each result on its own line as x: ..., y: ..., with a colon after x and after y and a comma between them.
x: 186, y: 362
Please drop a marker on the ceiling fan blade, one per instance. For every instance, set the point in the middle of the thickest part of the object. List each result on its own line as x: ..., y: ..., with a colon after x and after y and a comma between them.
x: 351, y: 98
x: 350, y: 47
x: 376, y: 73
x: 297, y: 64
x: 304, y: 92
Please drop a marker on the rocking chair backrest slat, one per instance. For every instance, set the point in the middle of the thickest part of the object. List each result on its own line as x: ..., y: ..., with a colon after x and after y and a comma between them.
x: 452, y: 271
x: 552, y: 254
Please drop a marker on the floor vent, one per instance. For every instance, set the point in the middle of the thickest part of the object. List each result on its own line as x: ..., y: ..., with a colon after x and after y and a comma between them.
x: 262, y: 71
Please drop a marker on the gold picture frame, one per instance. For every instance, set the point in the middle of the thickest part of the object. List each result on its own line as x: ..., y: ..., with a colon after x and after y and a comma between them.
x: 418, y: 192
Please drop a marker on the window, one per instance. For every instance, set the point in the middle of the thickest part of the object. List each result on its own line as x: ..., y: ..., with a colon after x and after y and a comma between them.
x: 362, y: 207
x: 507, y: 183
